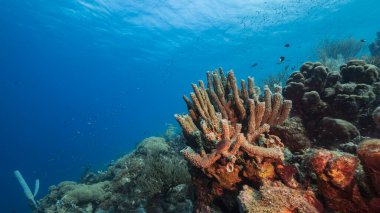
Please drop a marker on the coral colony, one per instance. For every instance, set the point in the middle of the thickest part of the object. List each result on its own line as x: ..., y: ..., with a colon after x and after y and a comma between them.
x: 245, y: 154
x: 308, y: 147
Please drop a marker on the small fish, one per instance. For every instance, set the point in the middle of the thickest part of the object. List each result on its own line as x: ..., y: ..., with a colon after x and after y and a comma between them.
x: 282, y: 59
x: 254, y: 65
x: 287, y: 45
x: 363, y: 40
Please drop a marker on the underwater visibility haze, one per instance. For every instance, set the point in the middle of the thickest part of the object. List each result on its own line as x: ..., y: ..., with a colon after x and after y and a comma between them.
x: 83, y: 82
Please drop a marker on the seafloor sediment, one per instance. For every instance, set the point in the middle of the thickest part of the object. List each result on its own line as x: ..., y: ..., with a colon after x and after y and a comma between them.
x: 308, y: 147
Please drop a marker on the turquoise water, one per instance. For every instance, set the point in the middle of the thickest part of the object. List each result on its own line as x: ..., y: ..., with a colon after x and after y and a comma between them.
x: 81, y: 82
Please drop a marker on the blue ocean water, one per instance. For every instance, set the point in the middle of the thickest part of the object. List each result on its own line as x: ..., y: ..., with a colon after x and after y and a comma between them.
x: 83, y: 81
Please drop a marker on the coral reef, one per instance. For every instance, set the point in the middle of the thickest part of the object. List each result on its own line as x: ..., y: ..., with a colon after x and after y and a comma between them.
x: 241, y: 152
x: 321, y: 96
x: 153, y: 178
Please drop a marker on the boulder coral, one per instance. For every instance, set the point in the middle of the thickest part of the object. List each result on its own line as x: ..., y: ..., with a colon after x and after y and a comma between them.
x: 350, y: 94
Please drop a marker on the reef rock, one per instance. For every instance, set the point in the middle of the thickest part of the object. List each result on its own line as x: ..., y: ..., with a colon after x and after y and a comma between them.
x: 292, y: 134
x: 336, y: 183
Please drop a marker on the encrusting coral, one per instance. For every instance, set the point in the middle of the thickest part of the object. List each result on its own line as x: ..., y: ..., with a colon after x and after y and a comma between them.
x: 348, y: 183
x: 227, y: 132
x: 336, y: 183
x: 275, y: 197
